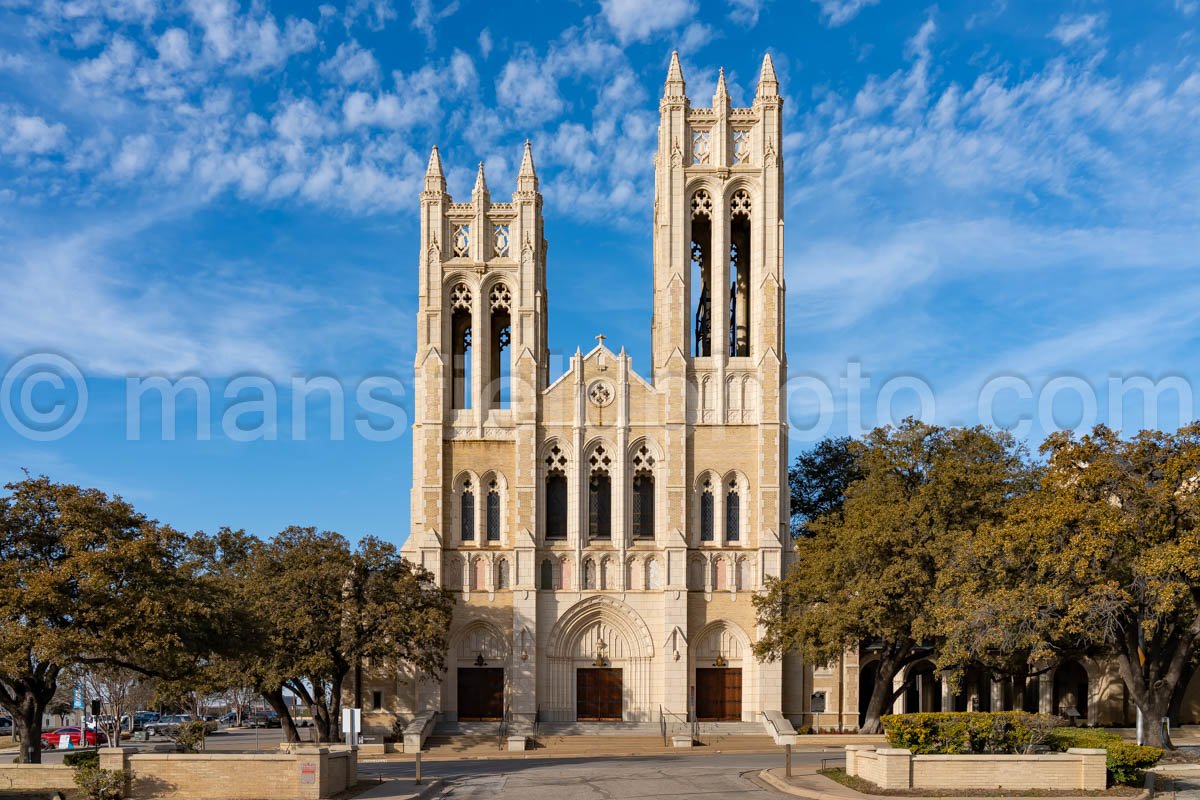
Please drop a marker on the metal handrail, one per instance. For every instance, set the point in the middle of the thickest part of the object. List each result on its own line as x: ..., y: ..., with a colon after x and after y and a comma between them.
x: 677, y: 719
x: 502, y: 731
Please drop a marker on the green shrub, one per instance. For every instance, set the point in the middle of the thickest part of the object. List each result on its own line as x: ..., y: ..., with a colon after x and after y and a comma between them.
x: 82, y: 758
x: 959, y: 733
x: 1127, y: 762
x: 101, y: 784
x: 191, y: 735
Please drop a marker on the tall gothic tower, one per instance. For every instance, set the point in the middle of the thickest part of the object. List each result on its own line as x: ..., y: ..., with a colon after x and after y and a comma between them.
x: 718, y: 330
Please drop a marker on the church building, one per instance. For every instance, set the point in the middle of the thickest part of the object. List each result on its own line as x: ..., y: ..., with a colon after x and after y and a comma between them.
x: 605, y: 531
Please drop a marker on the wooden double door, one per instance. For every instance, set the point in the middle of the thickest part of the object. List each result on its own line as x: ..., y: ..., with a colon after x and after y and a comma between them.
x: 480, y: 693
x: 718, y: 693
x: 598, y: 693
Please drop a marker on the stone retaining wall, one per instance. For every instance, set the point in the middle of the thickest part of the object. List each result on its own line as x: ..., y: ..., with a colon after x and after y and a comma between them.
x: 307, y: 773
x: 51, y: 777
x: 891, y: 768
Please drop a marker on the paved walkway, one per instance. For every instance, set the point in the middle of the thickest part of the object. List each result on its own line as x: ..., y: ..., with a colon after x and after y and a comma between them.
x: 713, y: 777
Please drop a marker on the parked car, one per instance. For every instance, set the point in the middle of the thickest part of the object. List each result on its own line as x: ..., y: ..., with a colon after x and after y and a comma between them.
x: 78, y: 737
x: 211, y: 723
x: 263, y: 721
x: 6, y: 726
x: 228, y: 718
x: 143, y: 718
x: 167, y: 725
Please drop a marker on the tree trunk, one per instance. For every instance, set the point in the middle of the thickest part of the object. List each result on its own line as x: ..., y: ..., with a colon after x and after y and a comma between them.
x: 882, y: 695
x: 279, y: 705
x: 28, y: 724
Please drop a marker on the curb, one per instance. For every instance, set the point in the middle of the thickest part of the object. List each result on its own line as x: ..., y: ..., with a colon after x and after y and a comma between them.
x: 779, y: 784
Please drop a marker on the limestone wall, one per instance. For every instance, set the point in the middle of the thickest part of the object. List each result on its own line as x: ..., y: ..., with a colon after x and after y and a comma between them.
x: 307, y: 773
x: 51, y: 777
x: 891, y: 768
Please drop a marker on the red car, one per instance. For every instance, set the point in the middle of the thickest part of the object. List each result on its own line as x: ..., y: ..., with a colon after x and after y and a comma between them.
x: 50, y: 739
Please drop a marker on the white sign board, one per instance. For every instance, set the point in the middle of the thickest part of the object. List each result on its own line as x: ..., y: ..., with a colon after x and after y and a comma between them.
x: 64, y: 741
x: 351, y: 726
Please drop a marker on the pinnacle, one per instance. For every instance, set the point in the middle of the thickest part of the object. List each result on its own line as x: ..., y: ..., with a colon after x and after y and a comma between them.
x: 435, y: 164
x: 675, y: 85
x: 768, y: 84
x: 527, y: 162
x: 480, y: 182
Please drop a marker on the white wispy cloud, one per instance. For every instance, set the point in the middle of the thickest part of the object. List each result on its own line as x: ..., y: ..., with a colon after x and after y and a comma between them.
x: 838, y: 12
x: 426, y: 17
x: 746, y: 12
x: 638, y: 20
x: 1080, y: 28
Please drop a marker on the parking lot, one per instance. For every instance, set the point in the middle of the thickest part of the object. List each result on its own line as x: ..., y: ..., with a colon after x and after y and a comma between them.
x: 226, y: 740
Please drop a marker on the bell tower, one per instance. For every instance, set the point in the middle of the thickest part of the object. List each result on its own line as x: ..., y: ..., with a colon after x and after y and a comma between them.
x: 481, y: 322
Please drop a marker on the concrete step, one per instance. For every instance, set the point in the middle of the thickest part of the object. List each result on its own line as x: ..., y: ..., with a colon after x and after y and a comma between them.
x: 599, y: 729
x: 449, y: 728
x: 448, y: 745
x: 733, y: 728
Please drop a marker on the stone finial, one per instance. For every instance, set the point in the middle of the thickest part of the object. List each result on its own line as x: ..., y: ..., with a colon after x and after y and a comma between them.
x: 526, y: 177
x: 768, y: 84
x: 480, y: 183
x: 435, y: 181
x: 675, y: 87
x: 721, y: 95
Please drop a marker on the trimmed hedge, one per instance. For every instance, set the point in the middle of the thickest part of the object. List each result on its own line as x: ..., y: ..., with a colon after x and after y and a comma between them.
x: 82, y: 758
x: 973, y: 732
x: 963, y: 733
x: 1127, y: 762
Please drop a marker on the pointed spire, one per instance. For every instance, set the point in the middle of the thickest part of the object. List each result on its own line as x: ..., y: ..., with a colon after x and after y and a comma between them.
x: 526, y: 176
x: 675, y: 87
x: 435, y: 181
x: 721, y: 95
x: 480, y: 182
x: 768, y: 84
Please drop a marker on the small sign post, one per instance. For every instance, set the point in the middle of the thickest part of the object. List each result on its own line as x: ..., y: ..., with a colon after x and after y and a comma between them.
x: 351, y: 725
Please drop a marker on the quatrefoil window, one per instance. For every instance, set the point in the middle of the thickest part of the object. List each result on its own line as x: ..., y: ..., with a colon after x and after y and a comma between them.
x: 601, y: 393
x: 701, y: 204
x: 741, y: 146
x: 502, y: 241
x: 501, y: 298
x: 556, y: 462
x: 460, y: 297
x: 701, y: 146
x: 462, y: 240
x: 643, y: 461
x: 740, y: 206
x: 600, y: 461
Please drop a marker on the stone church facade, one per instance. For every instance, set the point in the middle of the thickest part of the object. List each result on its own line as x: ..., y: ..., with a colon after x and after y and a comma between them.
x: 605, y: 531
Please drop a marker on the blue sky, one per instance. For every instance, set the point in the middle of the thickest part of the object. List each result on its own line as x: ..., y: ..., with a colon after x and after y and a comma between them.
x: 209, y: 189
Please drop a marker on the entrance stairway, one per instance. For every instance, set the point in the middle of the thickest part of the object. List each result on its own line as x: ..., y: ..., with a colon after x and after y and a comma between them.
x: 582, y: 739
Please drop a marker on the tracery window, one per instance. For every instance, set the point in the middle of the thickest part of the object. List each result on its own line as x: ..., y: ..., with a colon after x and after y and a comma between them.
x: 701, y: 272
x: 556, y: 494
x: 739, y: 274
x: 741, y: 145
x: 460, y: 344
x: 706, y: 513
x: 501, y: 241
x: 493, y: 513
x: 467, y: 512
x: 701, y: 146
x: 599, y: 495
x: 499, y: 378
x: 462, y: 240
x: 733, y: 513
x: 643, y: 494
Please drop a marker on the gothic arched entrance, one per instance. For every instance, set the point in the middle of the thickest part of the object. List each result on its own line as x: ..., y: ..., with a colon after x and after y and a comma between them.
x: 598, y: 664
x: 475, y: 679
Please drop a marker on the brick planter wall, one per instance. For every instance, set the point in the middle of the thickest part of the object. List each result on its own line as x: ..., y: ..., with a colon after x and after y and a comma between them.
x: 890, y: 768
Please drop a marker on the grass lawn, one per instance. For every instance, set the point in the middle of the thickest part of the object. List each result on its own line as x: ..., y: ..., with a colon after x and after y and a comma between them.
x: 866, y: 787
